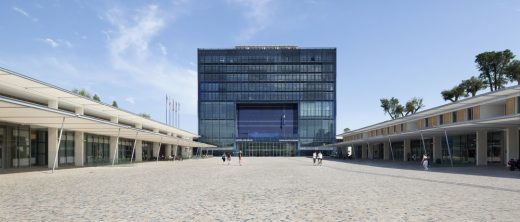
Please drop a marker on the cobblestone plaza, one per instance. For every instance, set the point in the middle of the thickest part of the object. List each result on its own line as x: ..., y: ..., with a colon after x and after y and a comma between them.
x: 265, y: 188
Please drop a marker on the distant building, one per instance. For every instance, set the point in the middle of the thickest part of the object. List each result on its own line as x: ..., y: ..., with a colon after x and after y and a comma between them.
x: 267, y: 100
x: 481, y: 130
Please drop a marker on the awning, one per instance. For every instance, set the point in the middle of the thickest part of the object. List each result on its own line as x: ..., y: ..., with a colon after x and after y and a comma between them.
x: 21, y: 112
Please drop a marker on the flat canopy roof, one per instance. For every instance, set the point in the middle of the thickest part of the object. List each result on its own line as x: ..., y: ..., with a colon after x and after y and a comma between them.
x: 20, y: 86
x: 21, y: 112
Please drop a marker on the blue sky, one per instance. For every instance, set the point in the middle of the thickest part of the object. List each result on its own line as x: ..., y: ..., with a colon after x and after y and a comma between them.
x: 137, y: 51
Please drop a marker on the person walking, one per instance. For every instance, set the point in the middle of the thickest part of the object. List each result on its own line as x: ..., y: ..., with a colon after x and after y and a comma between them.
x: 320, y: 158
x: 240, y: 158
x: 223, y: 158
x: 228, y: 155
x: 314, y: 158
x: 425, y: 161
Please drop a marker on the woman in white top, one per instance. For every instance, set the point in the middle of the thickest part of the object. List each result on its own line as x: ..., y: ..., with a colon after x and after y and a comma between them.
x: 320, y: 158
x: 425, y: 161
x: 314, y: 158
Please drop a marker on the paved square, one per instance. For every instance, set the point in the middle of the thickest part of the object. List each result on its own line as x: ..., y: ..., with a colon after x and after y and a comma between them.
x: 277, y: 188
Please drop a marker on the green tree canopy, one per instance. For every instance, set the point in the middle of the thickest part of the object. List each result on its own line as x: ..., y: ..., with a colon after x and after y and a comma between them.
x: 453, y: 94
x: 513, y: 71
x: 145, y: 115
x: 413, y: 105
x: 392, y: 107
x: 96, y: 98
x: 114, y: 104
x: 81, y: 92
x: 472, y: 86
x: 346, y: 130
x: 492, y: 66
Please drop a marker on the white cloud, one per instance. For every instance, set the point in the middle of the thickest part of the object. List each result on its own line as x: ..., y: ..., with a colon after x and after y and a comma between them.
x: 163, y: 49
x: 129, y: 51
x: 259, y: 15
x: 57, y: 43
x: 130, y: 100
x: 51, y: 42
x: 25, y: 14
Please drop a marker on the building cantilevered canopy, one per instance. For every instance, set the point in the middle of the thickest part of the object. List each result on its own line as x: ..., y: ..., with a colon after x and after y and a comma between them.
x: 17, y: 109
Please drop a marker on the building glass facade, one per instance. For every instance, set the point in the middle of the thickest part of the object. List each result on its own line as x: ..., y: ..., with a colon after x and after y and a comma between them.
x: 267, y: 101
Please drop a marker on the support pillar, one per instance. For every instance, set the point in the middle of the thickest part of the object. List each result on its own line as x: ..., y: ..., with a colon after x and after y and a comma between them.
x: 512, y: 147
x: 370, y: 151
x: 364, y: 151
x: 156, y: 149
x: 139, y: 151
x: 52, y: 138
x: 481, y: 148
x: 79, y: 148
x: 168, y: 151
x: 407, y: 149
x: 386, y: 151
x: 437, y: 149
x: 113, y: 149
x: 52, y: 142
x: 79, y: 143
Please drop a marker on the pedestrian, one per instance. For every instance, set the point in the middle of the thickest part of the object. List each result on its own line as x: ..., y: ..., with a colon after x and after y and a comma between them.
x: 223, y: 158
x: 320, y: 158
x: 240, y: 157
x: 228, y: 155
x: 314, y: 158
x: 425, y: 161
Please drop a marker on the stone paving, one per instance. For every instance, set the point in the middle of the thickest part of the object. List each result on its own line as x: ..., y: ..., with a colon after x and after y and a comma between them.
x: 273, y: 189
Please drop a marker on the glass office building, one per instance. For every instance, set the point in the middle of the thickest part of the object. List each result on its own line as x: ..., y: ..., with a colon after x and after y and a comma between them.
x: 267, y: 100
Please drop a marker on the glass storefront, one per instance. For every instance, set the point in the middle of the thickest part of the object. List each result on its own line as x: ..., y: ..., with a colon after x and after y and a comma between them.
x: 495, y: 141
x: 97, y: 149
x: 2, y: 146
x: 379, y: 151
x: 267, y: 148
x: 417, y: 149
x: 125, y: 150
x: 66, y: 148
x: 39, y: 147
x: 398, y: 151
x: 147, y: 150
x: 463, y: 149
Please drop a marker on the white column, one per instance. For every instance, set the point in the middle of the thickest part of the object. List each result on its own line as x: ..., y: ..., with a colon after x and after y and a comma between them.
x: 113, y: 142
x: 156, y: 150
x: 52, y: 138
x: 481, y: 148
x: 79, y: 143
x: 437, y: 148
x: 168, y: 151
x: 407, y: 149
x: 364, y: 150
x: 139, y: 151
x: 511, y: 142
x: 386, y: 150
x: 370, y: 151
x: 139, y: 146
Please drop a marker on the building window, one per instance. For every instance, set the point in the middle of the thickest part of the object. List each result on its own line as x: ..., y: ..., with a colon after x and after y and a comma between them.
x: 426, y: 123
x: 454, y: 117
x: 470, y: 113
x: 441, y: 119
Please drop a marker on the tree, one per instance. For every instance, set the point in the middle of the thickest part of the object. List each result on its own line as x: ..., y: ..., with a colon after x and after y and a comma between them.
x: 492, y: 66
x: 392, y: 107
x: 145, y: 115
x: 453, y: 94
x: 413, y: 105
x: 346, y: 130
x: 114, y: 104
x: 81, y: 92
x: 513, y: 71
x: 472, y: 86
x: 96, y: 98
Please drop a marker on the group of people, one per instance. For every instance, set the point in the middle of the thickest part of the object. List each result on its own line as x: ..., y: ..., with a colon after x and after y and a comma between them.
x: 227, y: 156
x: 317, y: 156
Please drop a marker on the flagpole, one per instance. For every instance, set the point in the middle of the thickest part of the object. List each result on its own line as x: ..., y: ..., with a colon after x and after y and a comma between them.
x: 166, y: 121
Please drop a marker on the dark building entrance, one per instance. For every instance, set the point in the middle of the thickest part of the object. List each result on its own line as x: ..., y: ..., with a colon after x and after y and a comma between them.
x: 277, y: 148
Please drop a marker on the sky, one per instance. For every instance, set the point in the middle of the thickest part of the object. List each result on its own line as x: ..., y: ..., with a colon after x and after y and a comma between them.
x: 136, y: 52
